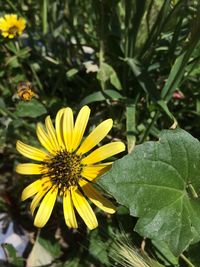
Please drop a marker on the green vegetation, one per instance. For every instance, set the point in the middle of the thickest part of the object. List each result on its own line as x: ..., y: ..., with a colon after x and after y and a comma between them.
x: 137, y: 62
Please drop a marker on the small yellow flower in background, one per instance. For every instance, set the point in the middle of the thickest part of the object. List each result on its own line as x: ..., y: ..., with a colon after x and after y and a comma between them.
x: 10, y: 25
x: 67, y: 169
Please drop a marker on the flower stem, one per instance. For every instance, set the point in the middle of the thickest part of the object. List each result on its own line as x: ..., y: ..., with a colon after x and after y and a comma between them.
x: 101, y: 43
x: 44, y: 16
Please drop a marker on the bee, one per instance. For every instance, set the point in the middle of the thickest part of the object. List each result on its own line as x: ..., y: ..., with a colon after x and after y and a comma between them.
x: 24, y: 91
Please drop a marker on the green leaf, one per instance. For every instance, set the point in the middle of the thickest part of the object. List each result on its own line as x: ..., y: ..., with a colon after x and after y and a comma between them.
x: 73, y: 263
x: 115, y: 81
x: 165, y: 108
x: 164, y: 254
x: 12, y: 257
x: 70, y: 73
x: 11, y: 47
x: 181, y: 62
x: 158, y: 182
x: 198, y: 106
x: 98, y: 248
x: 13, y: 62
x: 51, y: 245
x: 32, y: 109
x: 2, y: 103
x: 143, y: 78
x: 101, y: 96
x: 107, y: 73
x: 3, y: 133
x: 104, y: 72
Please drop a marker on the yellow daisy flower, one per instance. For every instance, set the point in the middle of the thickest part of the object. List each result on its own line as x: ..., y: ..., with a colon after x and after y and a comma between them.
x: 67, y: 169
x: 10, y: 25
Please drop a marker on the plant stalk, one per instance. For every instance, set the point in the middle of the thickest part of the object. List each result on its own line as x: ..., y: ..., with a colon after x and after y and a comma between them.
x: 186, y: 260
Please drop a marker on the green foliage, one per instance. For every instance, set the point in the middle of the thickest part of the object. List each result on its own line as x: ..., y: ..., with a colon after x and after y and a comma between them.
x: 107, y: 73
x: 32, y: 109
x: 157, y: 182
x: 11, y: 255
x: 99, y: 248
x: 136, y: 62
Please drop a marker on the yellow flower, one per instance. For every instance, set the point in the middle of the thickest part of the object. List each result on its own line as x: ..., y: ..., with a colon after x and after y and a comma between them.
x: 67, y: 169
x: 10, y: 25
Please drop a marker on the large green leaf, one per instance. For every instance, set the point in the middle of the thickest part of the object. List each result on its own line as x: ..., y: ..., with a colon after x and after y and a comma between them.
x: 158, y: 182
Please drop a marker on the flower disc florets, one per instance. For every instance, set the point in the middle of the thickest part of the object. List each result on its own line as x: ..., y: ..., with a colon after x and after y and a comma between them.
x: 64, y: 169
x: 13, y: 30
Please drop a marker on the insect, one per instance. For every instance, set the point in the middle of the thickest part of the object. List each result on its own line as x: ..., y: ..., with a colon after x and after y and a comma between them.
x: 24, y: 91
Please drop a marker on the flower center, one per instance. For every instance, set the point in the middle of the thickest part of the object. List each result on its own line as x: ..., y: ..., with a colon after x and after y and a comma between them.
x: 13, y: 30
x: 64, y: 169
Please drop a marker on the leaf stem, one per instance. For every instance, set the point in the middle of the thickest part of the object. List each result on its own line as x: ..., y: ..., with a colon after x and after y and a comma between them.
x: 192, y: 190
x: 186, y: 260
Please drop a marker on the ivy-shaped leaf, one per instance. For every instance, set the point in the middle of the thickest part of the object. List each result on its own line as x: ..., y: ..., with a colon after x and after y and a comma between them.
x: 160, y: 182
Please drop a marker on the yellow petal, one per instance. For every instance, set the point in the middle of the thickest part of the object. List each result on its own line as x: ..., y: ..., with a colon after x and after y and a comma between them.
x: 46, y: 207
x: 51, y: 133
x: 29, y: 168
x: 5, y: 34
x: 97, y: 198
x: 68, y: 209
x: 58, y: 125
x: 104, y: 152
x: 30, y: 190
x: 11, y: 36
x: 21, y: 23
x: 95, y: 136
x: 68, y: 126
x: 92, y: 172
x: 3, y: 26
x: 34, y: 187
x: 11, y: 17
x: 44, y: 139
x: 31, y: 152
x: 2, y: 21
x: 36, y: 200
x: 84, y: 209
x: 80, y: 125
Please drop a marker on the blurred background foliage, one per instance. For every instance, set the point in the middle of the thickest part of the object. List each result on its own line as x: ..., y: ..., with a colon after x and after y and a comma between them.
x: 136, y: 61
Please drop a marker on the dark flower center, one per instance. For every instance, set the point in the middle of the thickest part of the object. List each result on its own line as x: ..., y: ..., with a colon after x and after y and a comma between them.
x: 64, y: 169
x: 13, y: 30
